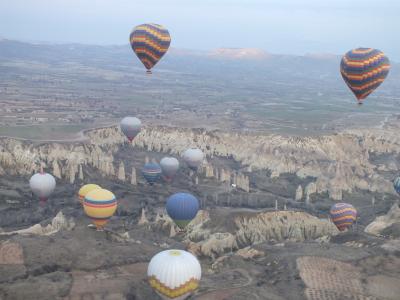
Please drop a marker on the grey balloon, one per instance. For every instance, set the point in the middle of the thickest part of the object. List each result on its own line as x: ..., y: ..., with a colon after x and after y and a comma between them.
x: 169, y: 167
x: 42, y: 185
x: 130, y: 126
x: 193, y: 157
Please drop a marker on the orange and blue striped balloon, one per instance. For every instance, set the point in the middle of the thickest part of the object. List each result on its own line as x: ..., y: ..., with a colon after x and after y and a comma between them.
x: 363, y: 70
x: 100, y: 205
x: 150, y: 42
x: 343, y: 215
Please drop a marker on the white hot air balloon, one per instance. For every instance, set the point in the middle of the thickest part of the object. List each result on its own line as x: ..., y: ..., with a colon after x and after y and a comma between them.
x: 130, y: 126
x: 169, y: 167
x: 174, y: 274
x: 42, y: 185
x: 193, y: 157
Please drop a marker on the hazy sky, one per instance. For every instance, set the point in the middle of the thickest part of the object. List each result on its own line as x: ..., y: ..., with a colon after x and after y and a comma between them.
x: 278, y: 26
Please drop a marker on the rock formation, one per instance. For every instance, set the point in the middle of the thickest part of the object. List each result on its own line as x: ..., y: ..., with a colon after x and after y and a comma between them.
x: 310, y: 189
x: 121, y: 171
x: 252, y: 229
x: 383, y: 222
x: 279, y: 226
x: 143, y: 219
x: 59, y: 222
x: 299, y: 193
x: 133, y: 176
x: 339, y: 162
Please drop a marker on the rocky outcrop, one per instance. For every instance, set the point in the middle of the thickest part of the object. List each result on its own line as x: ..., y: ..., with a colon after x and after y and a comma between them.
x: 299, y: 193
x: 121, y: 171
x: 249, y: 253
x: 252, y: 229
x: 59, y: 222
x: 339, y: 162
x: 143, y: 219
x: 383, y: 222
x: 310, y: 189
x: 281, y: 226
x: 133, y: 176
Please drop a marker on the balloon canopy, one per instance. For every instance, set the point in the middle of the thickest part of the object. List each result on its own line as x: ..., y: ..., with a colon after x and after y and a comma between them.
x: 174, y: 274
x: 151, y: 172
x: 100, y: 205
x: 169, y: 167
x: 42, y: 185
x: 150, y: 42
x: 84, y: 190
x: 396, y: 185
x: 363, y: 70
x: 193, y: 157
x: 182, y: 208
x: 130, y: 127
x: 343, y: 215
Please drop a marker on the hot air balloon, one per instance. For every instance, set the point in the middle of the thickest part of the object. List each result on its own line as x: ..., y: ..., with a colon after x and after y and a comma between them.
x: 193, y: 158
x: 86, y: 189
x: 169, y: 167
x: 42, y: 185
x: 343, y: 215
x: 174, y: 274
x: 100, y: 205
x: 151, y: 172
x: 396, y: 185
x: 130, y: 126
x: 182, y: 208
x: 363, y: 70
x: 150, y: 42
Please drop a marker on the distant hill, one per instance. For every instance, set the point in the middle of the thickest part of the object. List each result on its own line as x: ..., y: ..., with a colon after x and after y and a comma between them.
x: 239, y: 53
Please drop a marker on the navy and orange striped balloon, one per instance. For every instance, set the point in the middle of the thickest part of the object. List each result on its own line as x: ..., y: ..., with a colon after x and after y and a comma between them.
x: 150, y: 42
x: 343, y: 215
x: 363, y: 70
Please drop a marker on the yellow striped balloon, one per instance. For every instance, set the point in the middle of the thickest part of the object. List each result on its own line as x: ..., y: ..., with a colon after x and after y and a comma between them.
x: 100, y: 205
x: 364, y: 70
x: 86, y: 189
x: 150, y: 42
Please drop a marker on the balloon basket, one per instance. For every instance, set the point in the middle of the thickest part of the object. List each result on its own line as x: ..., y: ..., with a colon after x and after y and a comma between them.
x: 42, y: 202
x: 148, y: 72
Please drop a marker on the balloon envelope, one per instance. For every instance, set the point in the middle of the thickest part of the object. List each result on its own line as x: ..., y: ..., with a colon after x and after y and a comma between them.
x: 169, y: 167
x: 150, y: 42
x: 100, y: 205
x: 84, y: 190
x: 182, y: 208
x: 396, y: 185
x: 343, y: 215
x: 174, y: 274
x: 151, y: 172
x: 42, y: 185
x: 193, y: 157
x: 363, y: 70
x: 130, y: 126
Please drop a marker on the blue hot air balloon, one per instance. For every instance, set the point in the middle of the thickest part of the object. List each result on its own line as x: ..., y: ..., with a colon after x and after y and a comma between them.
x: 396, y: 185
x: 182, y: 208
x: 151, y: 172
